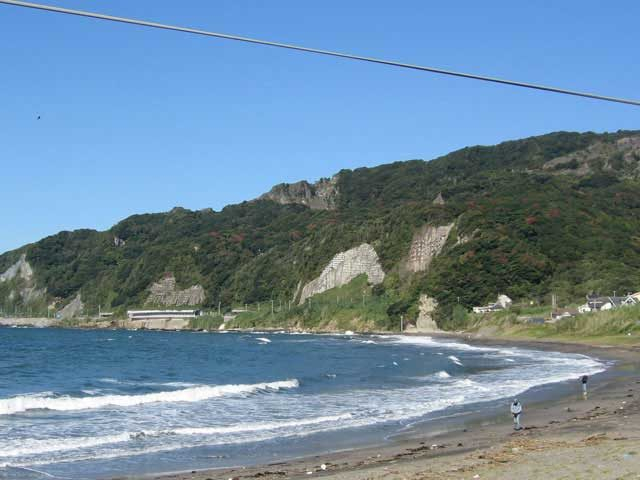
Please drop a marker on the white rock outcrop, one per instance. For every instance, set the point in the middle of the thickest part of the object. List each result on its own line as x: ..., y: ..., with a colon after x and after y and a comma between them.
x: 343, y: 268
x: 425, y: 321
x: 27, y: 289
x: 20, y: 269
x: 73, y: 309
x: 426, y: 245
x: 165, y: 293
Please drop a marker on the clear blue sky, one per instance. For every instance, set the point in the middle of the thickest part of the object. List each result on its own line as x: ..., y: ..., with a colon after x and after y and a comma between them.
x: 137, y: 120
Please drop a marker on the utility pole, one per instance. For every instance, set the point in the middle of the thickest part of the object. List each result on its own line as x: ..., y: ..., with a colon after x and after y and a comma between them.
x: 401, y: 323
x: 219, y: 314
x: 272, y: 306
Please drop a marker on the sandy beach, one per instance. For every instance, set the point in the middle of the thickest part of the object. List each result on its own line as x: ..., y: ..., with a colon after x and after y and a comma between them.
x: 565, y: 436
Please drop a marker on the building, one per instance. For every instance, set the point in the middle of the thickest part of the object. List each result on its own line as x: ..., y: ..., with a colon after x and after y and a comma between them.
x: 502, y: 303
x: 563, y: 313
x: 597, y: 303
x: 162, y: 314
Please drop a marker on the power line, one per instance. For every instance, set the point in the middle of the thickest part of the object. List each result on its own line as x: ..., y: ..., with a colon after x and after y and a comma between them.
x: 392, y: 63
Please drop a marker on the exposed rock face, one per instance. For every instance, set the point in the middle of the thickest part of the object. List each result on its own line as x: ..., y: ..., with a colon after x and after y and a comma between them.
x: 22, y: 272
x: 425, y: 321
x: 165, y: 293
x: 321, y: 195
x: 343, y: 268
x: 73, y: 309
x: 439, y: 200
x: 21, y: 269
x: 504, y: 301
x: 580, y: 163
x: 426, y: 245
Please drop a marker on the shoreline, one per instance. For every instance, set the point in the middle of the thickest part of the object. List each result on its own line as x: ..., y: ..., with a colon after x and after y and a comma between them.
x: 561, y: 421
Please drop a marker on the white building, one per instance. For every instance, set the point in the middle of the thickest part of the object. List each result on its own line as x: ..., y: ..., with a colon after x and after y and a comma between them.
x: 162, y: 314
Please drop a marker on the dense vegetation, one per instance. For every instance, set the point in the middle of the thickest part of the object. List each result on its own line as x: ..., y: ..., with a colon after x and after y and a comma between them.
x: 528, y: 231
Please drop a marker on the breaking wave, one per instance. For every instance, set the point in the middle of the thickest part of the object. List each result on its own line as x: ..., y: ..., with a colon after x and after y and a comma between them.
x: 19, y: 404
x: 27, y: 447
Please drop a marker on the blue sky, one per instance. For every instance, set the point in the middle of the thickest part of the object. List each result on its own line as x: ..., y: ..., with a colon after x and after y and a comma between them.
x: 137, y: 120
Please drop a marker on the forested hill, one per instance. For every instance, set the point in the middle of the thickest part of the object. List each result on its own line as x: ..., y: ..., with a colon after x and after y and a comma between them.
x: 558, y: 212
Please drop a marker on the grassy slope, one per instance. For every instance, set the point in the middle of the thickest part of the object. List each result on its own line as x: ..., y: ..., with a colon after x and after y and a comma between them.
x: 351, y: 307
x: 620, y: 326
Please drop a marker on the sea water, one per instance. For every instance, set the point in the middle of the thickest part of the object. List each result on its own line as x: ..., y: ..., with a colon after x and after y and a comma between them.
x: 97, y: 404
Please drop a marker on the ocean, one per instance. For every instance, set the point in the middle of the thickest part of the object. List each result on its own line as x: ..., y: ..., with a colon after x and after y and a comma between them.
x: 81, y: 404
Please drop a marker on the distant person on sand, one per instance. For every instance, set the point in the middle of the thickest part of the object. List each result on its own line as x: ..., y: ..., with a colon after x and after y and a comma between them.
x: 516, y: 411
x: 584, y: 379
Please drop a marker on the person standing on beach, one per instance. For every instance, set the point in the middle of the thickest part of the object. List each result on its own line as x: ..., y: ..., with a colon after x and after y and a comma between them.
x: 584, y: 379
x: 516, y: 411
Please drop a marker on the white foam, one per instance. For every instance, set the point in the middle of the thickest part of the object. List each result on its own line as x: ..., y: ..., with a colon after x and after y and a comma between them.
x: 13, y: 405
x: 442, y: 374
x: 455, y: 360
x: 263, y: 340
x: 30, y: 447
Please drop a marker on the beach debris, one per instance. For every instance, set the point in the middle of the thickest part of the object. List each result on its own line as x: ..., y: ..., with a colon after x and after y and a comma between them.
x: 309, y: 472
x: 323, y: 466
x: 434, y: 446
x: 476, y: 476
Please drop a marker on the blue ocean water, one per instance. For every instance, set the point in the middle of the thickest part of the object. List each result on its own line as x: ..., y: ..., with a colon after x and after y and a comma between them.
x: 96, y: 404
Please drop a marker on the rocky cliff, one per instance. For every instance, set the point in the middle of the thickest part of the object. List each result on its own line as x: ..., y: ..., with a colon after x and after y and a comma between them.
x: 621, y: 156
x: 166, y: 293
x: 425, y: 321
x: 343, y: 268
x: 20, y: 281
x: 75, y: 308
x: 426, y: 245
x: 321, y: 195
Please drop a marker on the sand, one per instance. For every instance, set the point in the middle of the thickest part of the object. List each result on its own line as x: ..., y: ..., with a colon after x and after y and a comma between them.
x: 567, y: 437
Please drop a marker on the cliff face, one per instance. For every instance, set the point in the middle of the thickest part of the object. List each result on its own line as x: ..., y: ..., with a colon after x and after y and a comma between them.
x: 73, y: 309
x: 21, y: 270
x: 166, y: 294
x: 426, y: 245
x: 19, y: 280
x: 343, y: 268
x: 321, y: 195
x: 621, y: 157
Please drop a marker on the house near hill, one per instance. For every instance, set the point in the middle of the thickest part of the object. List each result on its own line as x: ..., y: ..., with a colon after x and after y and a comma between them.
x: 502, y: 303
x: 597, y: 303
x: 563, y: 313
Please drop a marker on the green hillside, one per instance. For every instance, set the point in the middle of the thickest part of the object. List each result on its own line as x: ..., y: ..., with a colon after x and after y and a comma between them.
x: 559, y: 212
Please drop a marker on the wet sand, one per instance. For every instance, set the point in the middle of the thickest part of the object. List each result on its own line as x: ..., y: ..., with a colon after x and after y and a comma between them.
x: 565, y: 437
